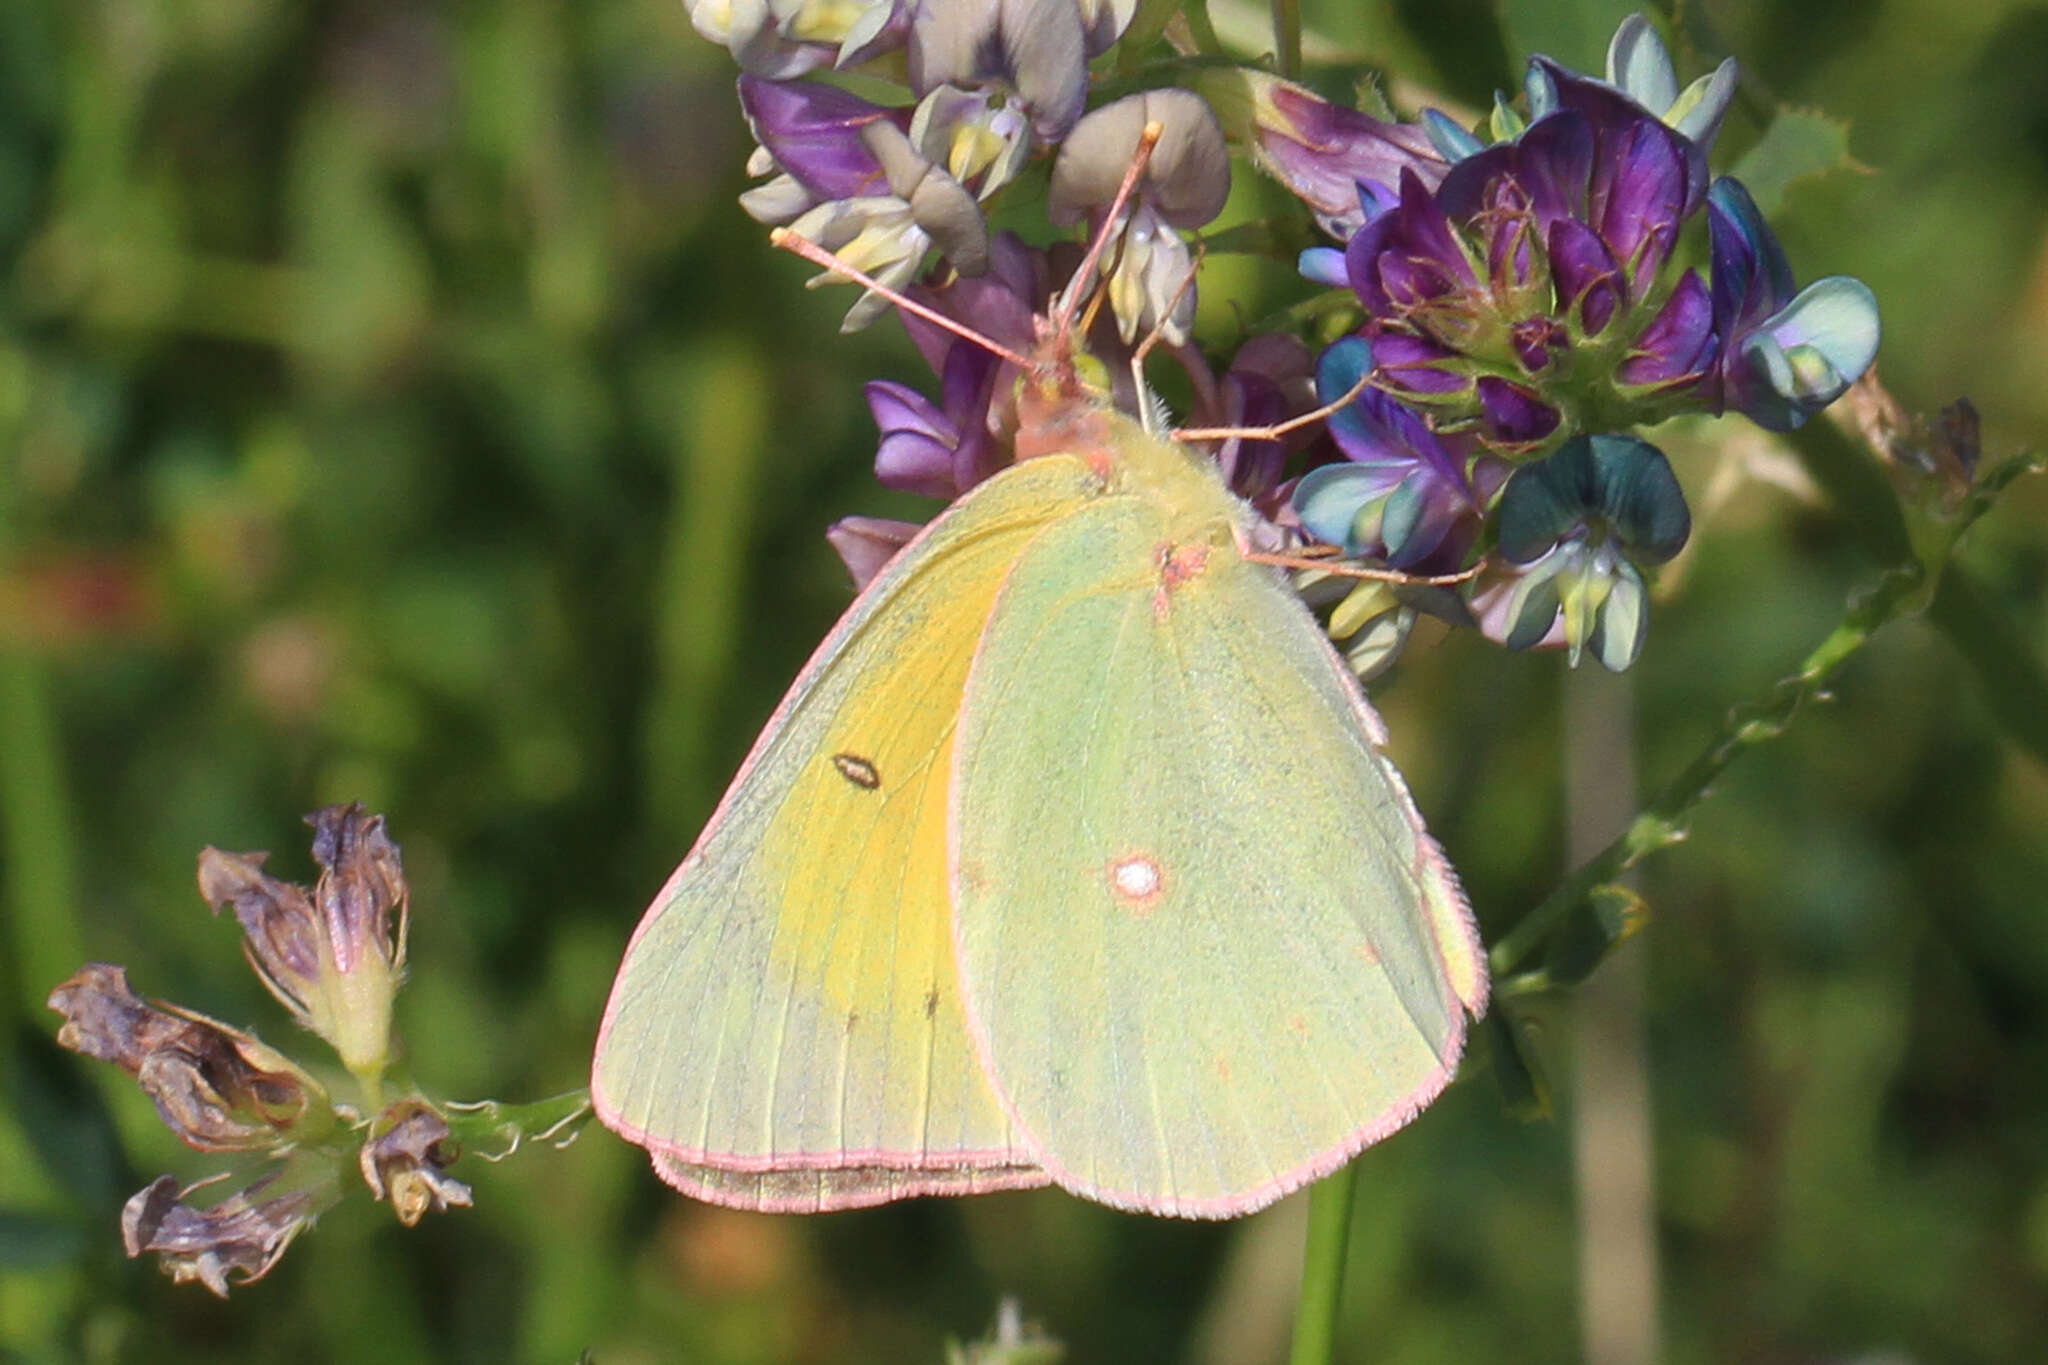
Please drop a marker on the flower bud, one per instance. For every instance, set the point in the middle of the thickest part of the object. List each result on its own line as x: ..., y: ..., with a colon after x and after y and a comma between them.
x: 1323, y: 152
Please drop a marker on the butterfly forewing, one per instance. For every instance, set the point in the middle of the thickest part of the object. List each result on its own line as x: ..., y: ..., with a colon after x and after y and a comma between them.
x: 1207, y: 949
x: 786, y: 1030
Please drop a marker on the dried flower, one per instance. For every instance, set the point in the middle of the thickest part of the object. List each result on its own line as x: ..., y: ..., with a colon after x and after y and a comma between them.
x: 219, y: 1089
x: 242, y: 1235
x: 406, y: 1161
x: 335, y: 955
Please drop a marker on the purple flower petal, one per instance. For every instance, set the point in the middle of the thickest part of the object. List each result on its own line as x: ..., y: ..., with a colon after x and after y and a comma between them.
x: 1611, y: 113
x: 1680, y: 343
x: 1512, y: 416
x: 1324, y: 152
x: 1417, y: 364
x: 867, y: 544
x: 813, y: 132
x: 1585, y: 274
x: 918, y: 442
x: 1408, y: 257
x: 1640, y: 195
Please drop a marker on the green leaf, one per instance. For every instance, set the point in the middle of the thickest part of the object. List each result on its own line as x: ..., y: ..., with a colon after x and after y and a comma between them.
x: 1799, y: 144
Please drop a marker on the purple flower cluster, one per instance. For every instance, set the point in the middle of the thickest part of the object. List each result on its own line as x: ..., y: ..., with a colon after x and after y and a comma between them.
x: 1528, y: 292
x: 1534, y: 296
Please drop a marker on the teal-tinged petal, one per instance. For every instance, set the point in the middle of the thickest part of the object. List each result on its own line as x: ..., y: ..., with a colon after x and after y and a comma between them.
x: 1339, y: 504
x: 1541, y: 90
x: 1507, y: 123
x: 1533, y: 605
x: 1835, y: 318
x: 1622, y: 622
x: 1620, y: 481
x: 1699, y: 109
x: 1402, y: 513
x: 1638, y: 64
x: 1452, y: 140
x: 1640, y: 497
x: 1324, y: 265
x: 1542, y: 503
x: 1342, y: 364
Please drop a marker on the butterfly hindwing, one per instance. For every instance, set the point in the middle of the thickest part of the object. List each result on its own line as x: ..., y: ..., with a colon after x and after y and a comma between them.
x: 1208, y: 950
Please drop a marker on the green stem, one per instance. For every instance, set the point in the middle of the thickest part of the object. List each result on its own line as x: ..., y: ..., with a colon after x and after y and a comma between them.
x: 2012, y: 674
x: 1920, y: 577
x: 1203, y: 30
x: 1661, y: 822
x: 1322, y: 1271
x: 1287, y: 37
x: 495, y: 1130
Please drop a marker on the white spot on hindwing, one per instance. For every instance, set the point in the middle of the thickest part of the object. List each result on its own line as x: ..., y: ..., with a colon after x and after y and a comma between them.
x: 1137, y: 880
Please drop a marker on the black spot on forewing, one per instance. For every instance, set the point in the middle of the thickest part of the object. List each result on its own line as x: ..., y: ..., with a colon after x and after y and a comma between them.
x: 859, y: 771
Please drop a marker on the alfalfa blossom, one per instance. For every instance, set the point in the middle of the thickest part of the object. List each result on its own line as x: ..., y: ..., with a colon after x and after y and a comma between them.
x: 1403, y: 494
x: 1185, y: 183
x: 1575, y: 530
x: 1527, y: 295
x: 1783, y: 356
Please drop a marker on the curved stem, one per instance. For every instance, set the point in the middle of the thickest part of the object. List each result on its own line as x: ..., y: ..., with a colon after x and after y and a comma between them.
x: 1322, y: 1271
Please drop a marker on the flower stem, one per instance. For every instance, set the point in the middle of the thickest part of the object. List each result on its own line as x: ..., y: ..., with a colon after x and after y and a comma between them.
x: 1662, y: 821
x: 495, y: 1130
x: 1322, y: 1271
x: 1287, y: 37
x: 2014, y: 679
x: 1202, y: 29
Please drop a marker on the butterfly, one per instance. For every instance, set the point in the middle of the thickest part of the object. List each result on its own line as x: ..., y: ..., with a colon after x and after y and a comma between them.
x: 1071, y: 857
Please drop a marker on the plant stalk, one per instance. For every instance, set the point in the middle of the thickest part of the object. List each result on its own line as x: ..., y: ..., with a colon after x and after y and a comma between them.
x: 1322, y: 1271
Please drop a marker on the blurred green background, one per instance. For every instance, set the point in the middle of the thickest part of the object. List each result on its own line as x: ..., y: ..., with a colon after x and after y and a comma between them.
x: 395, y: 407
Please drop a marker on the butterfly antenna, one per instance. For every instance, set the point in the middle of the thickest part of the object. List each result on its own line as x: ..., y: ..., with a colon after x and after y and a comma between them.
x: 1084, y: 274
x: 817, y: 255
x: 1279, y: 429
x: 1319, y: 558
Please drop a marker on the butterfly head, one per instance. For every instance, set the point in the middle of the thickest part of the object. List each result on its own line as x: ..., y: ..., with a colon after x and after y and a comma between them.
x: 1064, y: 399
